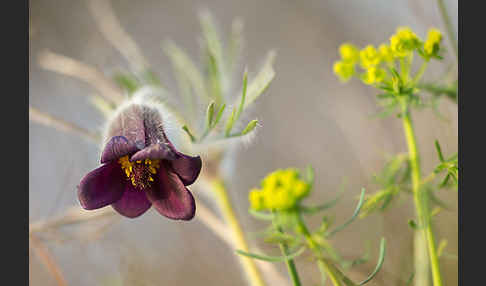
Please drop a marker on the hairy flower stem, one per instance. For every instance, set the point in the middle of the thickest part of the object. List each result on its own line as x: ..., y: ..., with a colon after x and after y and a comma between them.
x: 449, y: 28
x: 224, y: 203
x: 294, y: 275
x: 325, y: 267
x: 420, y: 199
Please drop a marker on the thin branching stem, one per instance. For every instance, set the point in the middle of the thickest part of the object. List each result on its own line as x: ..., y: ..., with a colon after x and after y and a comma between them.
x: 325, y: 267
x: 224, y: 203
x: 420, y: 198
x: 292, y: 270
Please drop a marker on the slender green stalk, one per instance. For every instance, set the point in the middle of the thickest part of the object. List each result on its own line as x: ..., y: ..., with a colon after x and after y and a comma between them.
x: 224, y: 203
x: 450, y: 30
x: 420, y: 72
x: 420, y: 198
x: 325, y: 267
x: 294, y: 275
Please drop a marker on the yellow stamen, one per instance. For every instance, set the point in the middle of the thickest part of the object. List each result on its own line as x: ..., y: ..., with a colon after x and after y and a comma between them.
x: 148, y: 168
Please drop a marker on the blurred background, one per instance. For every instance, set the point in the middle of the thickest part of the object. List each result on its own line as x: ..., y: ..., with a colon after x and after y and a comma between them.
x: 307, y: 117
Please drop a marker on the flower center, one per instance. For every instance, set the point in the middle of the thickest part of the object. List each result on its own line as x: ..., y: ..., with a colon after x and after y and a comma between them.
x: 139, y: 172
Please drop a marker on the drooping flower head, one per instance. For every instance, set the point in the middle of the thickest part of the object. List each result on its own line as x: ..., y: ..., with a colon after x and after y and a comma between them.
x: 141, y: 168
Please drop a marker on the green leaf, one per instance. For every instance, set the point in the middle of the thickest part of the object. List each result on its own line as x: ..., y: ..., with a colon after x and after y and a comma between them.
x: 272, y: 258
x: 185, y: 68
x: 373, y: 202
x: 261, y: 215
x: 262, y: 80
x: 235, y: 115
x: 243, y: 95
x: 355, y: 214
x: 220, y: 114
x: 435, y: 200
x: 251, y: 125
x: 214, y: 49
x: 210, y: 115
x: 309, y: 172
x: 211, y: 37
x: 325, y: 206
x: 235, y: 43
x: 215, y: 79
x: 277, y: 237
x: 381, y: 258
x: 127, y: 82
x: 439, y: 151
x: 229, y: 123
x: 410, y: 279
x: 363, y: 259
x: 185, y: 128
x: 441, y: 247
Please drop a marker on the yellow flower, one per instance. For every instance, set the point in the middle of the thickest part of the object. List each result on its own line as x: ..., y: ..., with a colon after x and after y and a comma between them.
x: 373, y: 75
x: 386, y: 53
x: 349, y: 53
x: 404, y: 42
x: 344, y: 70
x: 281, y: 190
x: 431, y: 45
x: 369, y: 57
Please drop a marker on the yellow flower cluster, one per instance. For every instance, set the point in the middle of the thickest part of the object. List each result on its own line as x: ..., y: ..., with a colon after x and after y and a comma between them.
x: 373, y: 61
x: 280, y: 190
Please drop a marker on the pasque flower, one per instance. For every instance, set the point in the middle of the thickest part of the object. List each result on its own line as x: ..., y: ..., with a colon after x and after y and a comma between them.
x: 141, y: 168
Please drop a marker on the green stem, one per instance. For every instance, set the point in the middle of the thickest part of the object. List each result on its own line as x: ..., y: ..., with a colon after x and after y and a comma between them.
x: 420, y: 198
x: 449, y: 28
x: 420, y: 73
x: 294, y: 275
x: 325, y: 267
x: 224, y: 203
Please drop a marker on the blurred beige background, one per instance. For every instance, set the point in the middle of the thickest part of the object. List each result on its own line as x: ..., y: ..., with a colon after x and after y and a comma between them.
x: 307, y: 117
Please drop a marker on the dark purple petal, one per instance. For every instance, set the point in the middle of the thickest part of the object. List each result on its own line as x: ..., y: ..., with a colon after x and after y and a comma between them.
x: 133, y: 203
x: 129, y: 123
x: 187, y: 167
x: 101, y: 187
x: 155, y: 151
x: 170, y: 197
x: 117, y: 147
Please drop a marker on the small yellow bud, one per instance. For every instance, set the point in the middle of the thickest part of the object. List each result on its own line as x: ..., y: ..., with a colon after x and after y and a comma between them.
x: 344, y: 70
x: 431, y: 45
x: 349, y: 53
x: 369, y: 57
x: 403, y: 42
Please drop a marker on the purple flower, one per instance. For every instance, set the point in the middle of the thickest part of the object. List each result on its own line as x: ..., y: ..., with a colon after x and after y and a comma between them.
x: 140, y: 168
